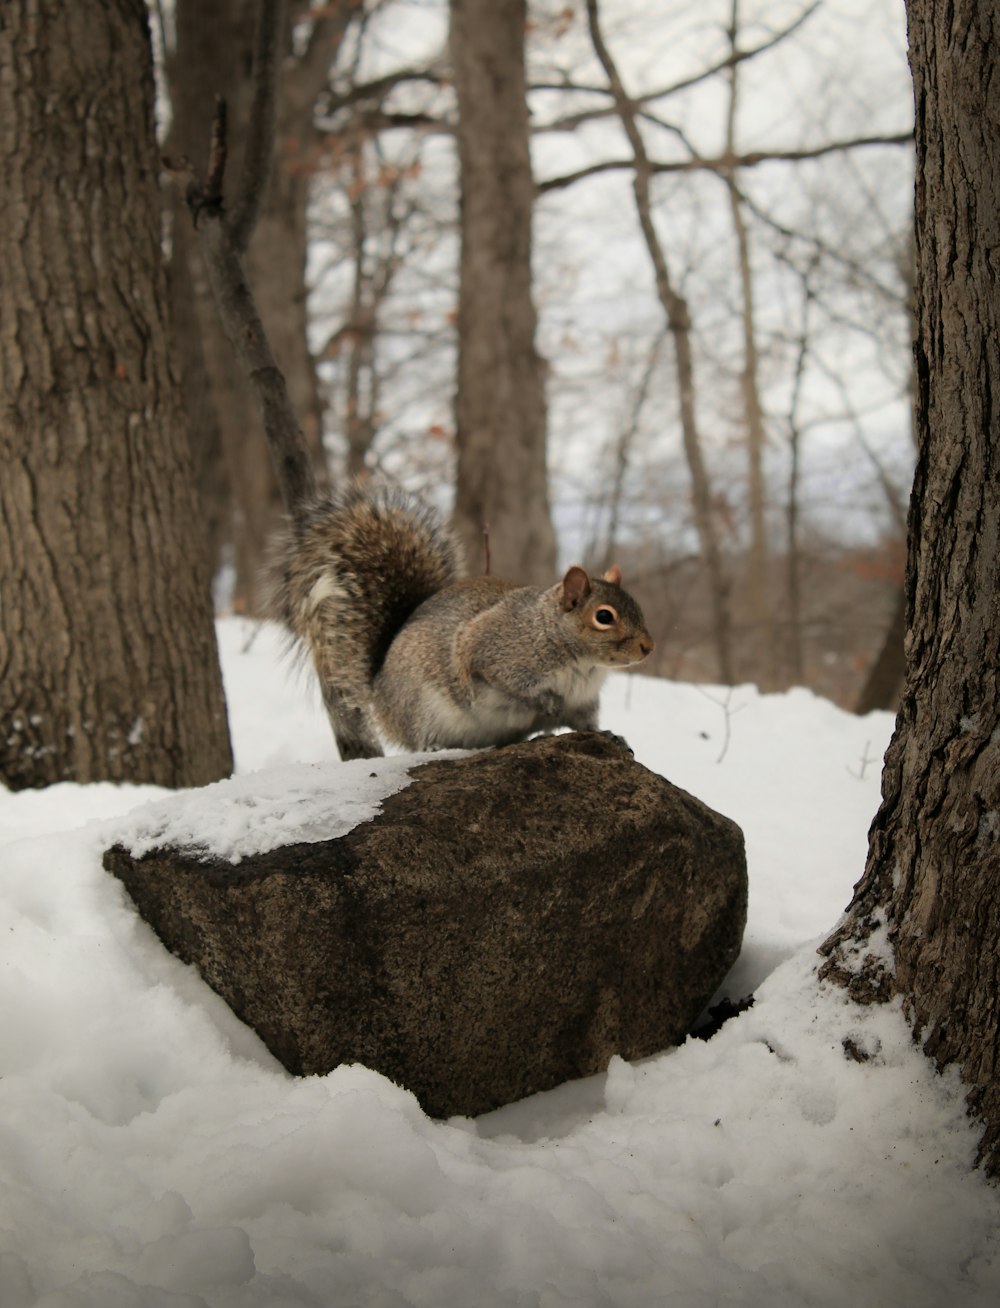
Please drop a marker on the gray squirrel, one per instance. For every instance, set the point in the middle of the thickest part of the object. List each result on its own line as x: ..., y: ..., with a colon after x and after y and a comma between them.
x: 369, y: 580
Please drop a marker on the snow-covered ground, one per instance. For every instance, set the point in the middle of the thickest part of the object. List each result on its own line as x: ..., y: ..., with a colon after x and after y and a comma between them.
x: 154, y: 1155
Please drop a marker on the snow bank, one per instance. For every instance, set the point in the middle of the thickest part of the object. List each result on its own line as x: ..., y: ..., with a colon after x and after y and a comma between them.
x: 153, y: 1155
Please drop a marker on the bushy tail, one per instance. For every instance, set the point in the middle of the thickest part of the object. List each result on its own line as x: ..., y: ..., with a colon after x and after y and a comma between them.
x: 345, y: 577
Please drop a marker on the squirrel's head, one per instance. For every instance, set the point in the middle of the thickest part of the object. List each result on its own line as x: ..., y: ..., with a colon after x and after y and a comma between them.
x: 608, y: 620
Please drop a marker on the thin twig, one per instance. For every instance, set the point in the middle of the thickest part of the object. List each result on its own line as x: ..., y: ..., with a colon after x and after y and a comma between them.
x: 864, y: 762
x: 728, y: 715
x: 731, y: 59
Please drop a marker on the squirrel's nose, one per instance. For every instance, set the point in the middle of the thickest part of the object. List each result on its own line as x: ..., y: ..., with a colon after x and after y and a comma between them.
x: 646, y: 646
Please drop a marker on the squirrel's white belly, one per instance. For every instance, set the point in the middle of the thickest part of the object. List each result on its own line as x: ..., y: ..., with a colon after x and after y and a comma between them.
x: 577, y: 684
x: 493, y: 718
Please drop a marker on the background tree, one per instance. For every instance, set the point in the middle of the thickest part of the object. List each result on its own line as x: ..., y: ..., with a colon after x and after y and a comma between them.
x: 500, y: 415
x: 379, y: 201
x: 763, y: 635
x: 209, y: 55
x: 925, y: 918
x: 385, y: 287
x: 811, y: 182
x: 678, y: 319
x: 499, y: 409
x: 108, y: 664
x: 819, y: 183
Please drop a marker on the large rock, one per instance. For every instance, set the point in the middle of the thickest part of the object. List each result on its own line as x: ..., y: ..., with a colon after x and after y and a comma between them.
x: 508, y: 921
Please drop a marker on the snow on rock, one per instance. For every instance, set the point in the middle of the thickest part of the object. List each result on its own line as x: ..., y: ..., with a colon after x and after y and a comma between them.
x: 264, y: 810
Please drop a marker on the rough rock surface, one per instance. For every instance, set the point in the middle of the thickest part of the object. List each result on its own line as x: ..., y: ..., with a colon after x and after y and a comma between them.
x: 507, y: 922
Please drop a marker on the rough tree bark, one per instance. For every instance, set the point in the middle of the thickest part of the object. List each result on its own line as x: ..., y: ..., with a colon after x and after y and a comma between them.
x: 502, y: 482
x: 108, y: 663
x: 931, y: 887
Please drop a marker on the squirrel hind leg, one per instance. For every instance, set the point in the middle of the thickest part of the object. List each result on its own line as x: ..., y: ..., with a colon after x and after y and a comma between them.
x: 352, y: 727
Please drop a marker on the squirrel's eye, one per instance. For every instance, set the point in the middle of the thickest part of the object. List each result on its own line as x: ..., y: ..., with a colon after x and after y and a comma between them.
x: 605, y: 617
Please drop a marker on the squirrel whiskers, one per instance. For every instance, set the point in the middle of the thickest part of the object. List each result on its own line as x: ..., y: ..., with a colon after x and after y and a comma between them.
x: 368, y: 580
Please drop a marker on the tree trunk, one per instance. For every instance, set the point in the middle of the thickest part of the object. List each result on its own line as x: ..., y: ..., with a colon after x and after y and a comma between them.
x: 885, y: 676
x: 932, y: 882
x: 374, y: 268
x: 502, y: 483
x: 795, y: 642
x: 108, y: 663
x: 213, y: 57
x: 763, y: 666
x: 192, y: 347
x: 623, y: 453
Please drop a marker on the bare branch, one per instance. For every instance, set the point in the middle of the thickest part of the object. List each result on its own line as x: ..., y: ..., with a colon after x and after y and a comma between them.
x: 311, y: 72
x: 727, y: 162
x: 860, y: 273
x: 729, y: 61
x: 623, y: 446
x: 678, y: 318
x: 218, y: 154
x: 379, y: 87
x: 245, y: 332
x: 372, y: 121
x: 223, y: 243
x: 259, y: 154
x: 755, y: 157
x: 895, y: 498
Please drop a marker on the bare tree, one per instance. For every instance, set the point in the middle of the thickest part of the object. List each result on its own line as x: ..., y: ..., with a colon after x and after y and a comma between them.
x: 108, y: 663
x: 741, y: 299
x: 502, y: 481
x: 224, y: 230
x: 211, y: 57
x: 794, y: 656
x: 678, y: 320
x: 383, y: 291
x: 613, y: 499
x: 379, y: 213
x: 763, y: 632
x: 925, y: 917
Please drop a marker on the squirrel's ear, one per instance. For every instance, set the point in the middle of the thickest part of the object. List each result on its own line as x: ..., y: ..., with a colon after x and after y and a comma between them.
x: 575, y: 587
x: 614, y: 575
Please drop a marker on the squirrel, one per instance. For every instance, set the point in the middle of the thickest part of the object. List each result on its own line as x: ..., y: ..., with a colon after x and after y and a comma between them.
x: 369, y: 581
